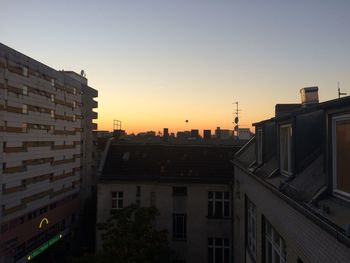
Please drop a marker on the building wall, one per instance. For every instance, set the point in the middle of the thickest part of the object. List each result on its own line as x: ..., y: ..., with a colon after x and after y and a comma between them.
x: 195, y: 205
x: 304, y: 239
x: 40, y: 135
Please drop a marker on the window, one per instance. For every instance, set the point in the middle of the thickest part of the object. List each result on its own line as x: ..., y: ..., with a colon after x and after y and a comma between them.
x: 138, y: 191
x: 341, y: 156
x: 52, y: 97
x: 74, y: 91
x: 25, y: 90
x: 275, y: 246
x: 286, y: 149
x: 52, y: 114
x: 24, y: 109
x: 259, y: 144
x: 153, y: 199
x: 25, y: 71
x: 179, y: 226
x: 219, y: 204
x: 138, y: 195
x: 117, y: 200
x: 251, y: 228
x: 179, y: 191
x: 52, y: 82
x: 218, y: 250
x: 24, y: 127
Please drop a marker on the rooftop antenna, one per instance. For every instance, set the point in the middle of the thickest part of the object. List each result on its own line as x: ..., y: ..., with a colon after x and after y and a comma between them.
x: 340, y: 93
x: 236, y: 120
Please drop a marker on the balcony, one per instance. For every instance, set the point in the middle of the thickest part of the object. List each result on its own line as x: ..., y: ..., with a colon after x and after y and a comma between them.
x: 94, y: 104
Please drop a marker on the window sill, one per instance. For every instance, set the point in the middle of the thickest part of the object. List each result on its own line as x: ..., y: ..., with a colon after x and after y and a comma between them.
x: 179, y: 239
x: 219, y: 217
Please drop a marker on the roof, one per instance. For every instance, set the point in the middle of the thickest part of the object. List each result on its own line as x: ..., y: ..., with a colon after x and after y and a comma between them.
x: 290, y: 110
x: 169, y: 163
x: 308, y: 187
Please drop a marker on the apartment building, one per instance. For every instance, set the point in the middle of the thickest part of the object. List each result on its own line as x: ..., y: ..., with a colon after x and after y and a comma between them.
x: 190, y: 185
x: 292, y: 187
x: 44, y: 137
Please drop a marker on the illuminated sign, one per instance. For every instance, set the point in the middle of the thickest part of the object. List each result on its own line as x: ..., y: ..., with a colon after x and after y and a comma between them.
x: 44, y: 220
x: 44, y: 246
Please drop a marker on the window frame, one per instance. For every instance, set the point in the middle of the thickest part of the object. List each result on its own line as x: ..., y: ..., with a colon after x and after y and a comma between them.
x: 251, y: 226
x: 259, y: 150
x: 337, y: 192
x: 290, y: 149
x: 222, y: 200
x: 214, y: 247
x: 271, y: 240
x: 177, y: 234
x: 117, y: 198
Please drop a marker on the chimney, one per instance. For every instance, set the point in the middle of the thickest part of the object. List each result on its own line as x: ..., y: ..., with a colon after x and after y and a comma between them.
x: 309, y: 96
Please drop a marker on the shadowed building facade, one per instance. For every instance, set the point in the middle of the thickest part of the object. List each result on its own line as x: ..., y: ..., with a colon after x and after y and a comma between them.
x: 189, y: 185
x: 43, y: 126
x: 292, y: 186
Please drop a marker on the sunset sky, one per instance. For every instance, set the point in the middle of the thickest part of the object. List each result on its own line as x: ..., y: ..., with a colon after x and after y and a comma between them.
x: 157, y: 63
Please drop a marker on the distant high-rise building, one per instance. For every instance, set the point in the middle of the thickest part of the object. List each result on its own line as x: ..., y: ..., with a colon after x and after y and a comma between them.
x: 47, y: 153
x: 218, y: 133
x: 165, y: 134
x: 195, y: 133
x: 207, y: 134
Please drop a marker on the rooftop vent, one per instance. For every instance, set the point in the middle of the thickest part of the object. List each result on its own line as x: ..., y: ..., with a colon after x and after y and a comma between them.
x: 309, y: 96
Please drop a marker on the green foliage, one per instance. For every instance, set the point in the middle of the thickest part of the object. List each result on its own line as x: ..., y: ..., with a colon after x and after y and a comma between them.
x: 129, y: 236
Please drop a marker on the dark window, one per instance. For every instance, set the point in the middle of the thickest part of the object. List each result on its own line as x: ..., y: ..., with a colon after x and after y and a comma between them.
x: 219, y: 204
x: 218, y: 250
x: 179, y: 190
x: 138, y: 191
x: 179, y: 226
x: 251, y: 227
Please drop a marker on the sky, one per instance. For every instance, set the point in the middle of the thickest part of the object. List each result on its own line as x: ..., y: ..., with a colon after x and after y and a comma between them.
x: 159, y: 63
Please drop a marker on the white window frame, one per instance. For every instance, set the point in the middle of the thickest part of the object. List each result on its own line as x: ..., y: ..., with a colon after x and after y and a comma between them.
x: 223, y: 247
x: 119, y: 196
x: 280, y: 248
x: 24, y: 109
x: 25, y: 90
x: 336, y: 119
x: 251, y: 228
x: 289, y: 171
x: 259, y: 137
x: 222, y: 201
x: 25, y: 71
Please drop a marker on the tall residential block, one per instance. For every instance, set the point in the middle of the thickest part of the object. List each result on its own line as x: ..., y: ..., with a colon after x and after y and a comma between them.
x: 46, y: 152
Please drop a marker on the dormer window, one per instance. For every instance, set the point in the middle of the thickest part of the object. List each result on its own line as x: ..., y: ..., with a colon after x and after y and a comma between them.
x: 286, y: 149
x: 341, y: 156
x: 259, y: 145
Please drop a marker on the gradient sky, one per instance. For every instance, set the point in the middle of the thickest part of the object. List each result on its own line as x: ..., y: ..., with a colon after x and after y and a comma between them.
x: 158, y: 63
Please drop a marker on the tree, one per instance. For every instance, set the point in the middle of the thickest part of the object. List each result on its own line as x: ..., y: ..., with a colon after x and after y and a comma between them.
x: 129, y: 236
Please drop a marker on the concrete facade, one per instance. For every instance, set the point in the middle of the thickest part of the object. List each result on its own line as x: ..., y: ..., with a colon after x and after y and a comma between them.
x: 42, y: 127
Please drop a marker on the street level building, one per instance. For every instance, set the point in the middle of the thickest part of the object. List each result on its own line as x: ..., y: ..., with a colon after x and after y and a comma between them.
x: 45, y: 137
